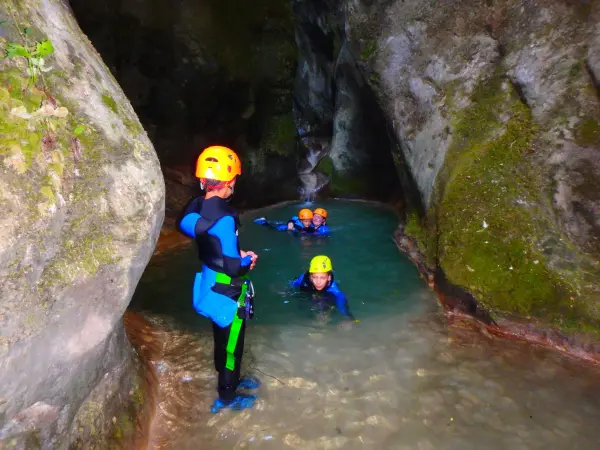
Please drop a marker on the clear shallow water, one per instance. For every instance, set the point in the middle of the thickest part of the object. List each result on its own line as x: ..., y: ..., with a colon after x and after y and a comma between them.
x: 399, y: 379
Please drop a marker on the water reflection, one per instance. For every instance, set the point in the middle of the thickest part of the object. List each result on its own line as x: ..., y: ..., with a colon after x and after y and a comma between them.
x: 399, y: 380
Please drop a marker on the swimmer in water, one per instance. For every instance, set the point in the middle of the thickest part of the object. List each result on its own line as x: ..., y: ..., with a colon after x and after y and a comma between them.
x: 306, y: 222
x: 319, y: 280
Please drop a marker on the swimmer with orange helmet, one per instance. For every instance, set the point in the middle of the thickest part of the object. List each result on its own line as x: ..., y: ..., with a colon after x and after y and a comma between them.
x: 306, y: 221
x: 319, y: 221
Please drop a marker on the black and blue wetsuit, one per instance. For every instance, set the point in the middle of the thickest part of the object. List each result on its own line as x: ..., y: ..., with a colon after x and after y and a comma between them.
x: 331, y: 295
x: 220, y: 289
x: 298, y: 226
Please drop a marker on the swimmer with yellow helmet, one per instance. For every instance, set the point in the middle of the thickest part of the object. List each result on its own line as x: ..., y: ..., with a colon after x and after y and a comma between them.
x: 319, y: 280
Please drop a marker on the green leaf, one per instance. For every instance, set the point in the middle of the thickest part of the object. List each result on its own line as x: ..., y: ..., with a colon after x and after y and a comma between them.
x: 44, y: 48
x: 13, y: 49
x: 27, y: 30
x: 80, y: 129
x: 3, y: 22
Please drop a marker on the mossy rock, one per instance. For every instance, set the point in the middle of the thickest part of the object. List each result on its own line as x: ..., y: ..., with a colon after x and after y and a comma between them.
x: 588, y: 132
x: 342, y: 184
x: 490, y: 211
x: 83, y: 203
x: 280, y: 135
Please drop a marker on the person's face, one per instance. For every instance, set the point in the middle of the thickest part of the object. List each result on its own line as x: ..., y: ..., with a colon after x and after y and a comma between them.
x: 318, y: 220
x: 306, y: 223
x: 320, y: 280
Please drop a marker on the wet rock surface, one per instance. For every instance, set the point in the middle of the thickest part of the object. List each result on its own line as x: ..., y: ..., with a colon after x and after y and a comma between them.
x: 83, y: 203
x: 342, y: 129
x: 494, y: 108
x: 201, y: 73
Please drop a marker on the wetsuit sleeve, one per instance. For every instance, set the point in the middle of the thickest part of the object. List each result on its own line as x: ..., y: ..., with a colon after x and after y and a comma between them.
x: 234, y: 265
x: 323, y: 229
x: 297, y: 282
x: 294, y: 221
x: 188, y: 224
x: 340, y: 300
x: 194, y: 206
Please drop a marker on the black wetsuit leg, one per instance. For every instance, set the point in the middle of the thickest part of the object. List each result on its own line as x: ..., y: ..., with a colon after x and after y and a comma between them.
x: 228, y: 379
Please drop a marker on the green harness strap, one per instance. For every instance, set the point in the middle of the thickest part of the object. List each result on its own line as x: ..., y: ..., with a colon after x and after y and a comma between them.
x: 236, y: 325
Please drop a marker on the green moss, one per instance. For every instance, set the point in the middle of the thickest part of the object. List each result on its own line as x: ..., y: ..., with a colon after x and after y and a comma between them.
x: 46, y: 191
x: 416, y: 228
x: 132, y: 125
x: 342, y: 184
x: 21, y: 138
x: 488, y: 216
x: 374, y: 78
x: 138, y: 393
x: 82, y: 256
x: 369, y: 50
x: 576, y: 69
x: 125, y: 425
x: 588, y: 132
x: 110, y: 102
x: 280, y: 135
x: 326, y: 166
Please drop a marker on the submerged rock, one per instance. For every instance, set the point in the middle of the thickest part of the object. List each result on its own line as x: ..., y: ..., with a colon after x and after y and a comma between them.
x: 83, y: 202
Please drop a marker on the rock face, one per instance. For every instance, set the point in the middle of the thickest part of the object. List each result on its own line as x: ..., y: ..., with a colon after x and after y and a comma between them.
x: 342, y: 127
x: 204, y: 72
x: 83, y: 202
x: 495, y: 109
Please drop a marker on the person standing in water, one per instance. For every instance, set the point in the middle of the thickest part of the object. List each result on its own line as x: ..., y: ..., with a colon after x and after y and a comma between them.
x: 222, y: 292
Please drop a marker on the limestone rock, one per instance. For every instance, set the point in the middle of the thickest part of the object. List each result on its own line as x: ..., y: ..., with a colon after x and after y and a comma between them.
x: 83, y: 202
x: 495, y: 109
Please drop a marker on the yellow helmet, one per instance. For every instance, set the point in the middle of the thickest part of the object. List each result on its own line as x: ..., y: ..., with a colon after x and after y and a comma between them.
x: 305, y: 214
x: 322, y: 212
x: 218, y: 163
x: 320, y: 264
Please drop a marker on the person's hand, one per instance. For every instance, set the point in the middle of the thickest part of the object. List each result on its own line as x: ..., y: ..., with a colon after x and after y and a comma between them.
x: 290, y: 226
x: 252, y: 255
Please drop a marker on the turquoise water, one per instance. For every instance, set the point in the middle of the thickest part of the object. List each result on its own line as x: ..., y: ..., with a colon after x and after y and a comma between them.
x: 367, y: 265
x: 398, y: 379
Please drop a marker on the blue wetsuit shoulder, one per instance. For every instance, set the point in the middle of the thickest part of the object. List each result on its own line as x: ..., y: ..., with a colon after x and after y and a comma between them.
x: 298, y: 282
x: 323, y: 229
x: 340, y: 299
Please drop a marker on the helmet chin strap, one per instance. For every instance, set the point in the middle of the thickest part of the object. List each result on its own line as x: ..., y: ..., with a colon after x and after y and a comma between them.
x: 228, y: 199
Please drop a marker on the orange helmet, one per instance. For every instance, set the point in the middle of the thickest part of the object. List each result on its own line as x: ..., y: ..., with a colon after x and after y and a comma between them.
x: 218, y: 163
x: 305, y: 214
x: 321, y: 212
